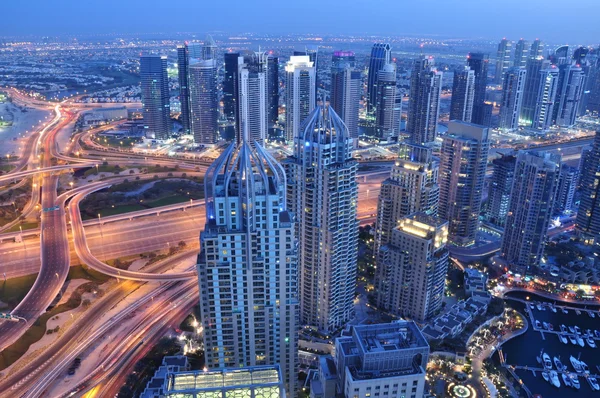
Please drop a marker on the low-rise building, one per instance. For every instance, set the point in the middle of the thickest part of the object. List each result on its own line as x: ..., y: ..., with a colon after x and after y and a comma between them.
x: 453, y: 322
x: 474, y: 281
x: 170, y: 364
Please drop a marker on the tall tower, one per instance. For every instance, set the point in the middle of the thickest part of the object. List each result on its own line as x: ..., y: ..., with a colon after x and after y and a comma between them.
x: 424, y: 101
x: 512, y: 98
x: 155, y: 96
x: 482, y: 113
x: 345, y: 90
x: 571, y: 81
x: 230, y: 107
x: 253, y: 98
x: 588, y: 215
x: 385, y: 105
x: 299, y: 93
x: 463, y: 95
x: 530, y: 209
x: 209, y: 48
x: 531, y: 89
x: 521, y: 53
x: 537, y: 49
x: 272, y: 90
x: 312, y: 52
x: 499, y: 189
x: 381, y: 54
x: 412, y: 268
x: 322, y: 193
x: 546, y: 99
x: 411, y: 188
x: 565, y: 190
x: 502, y: 60
x: 204, y: 102
x: 247, y: 267
x: 463, y: 161
x: 184, y: 93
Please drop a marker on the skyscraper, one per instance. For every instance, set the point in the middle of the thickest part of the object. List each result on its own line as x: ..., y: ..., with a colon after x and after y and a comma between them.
x: 482, y: 113
x: 537, y: 49
x: 299, y: 94
x: 546, y: 98
x: 463, y: 160
x: 247, y: 267
x: 531, y: 89
x: 230, y: 108
x: 184, y: 94
x: 513, y: 86
x: 463, y: 95
x: 312, y: 52
x: 272, y: 90
x: 502, y: 60
x: 424, y: 101
x: 530, y: 209
x: 381, y: 54
x: 412, y: 268
x: 411, y: 188
x: 588, y: 215
x: 155, y: 96
x: 253, y: 99
x: 499, y: 189
x: 345, y: 90
x: 204, y: 101
x: 209, y: 48
x: 521, y: 53
x: 565, y: 189
x: 571, y: 80
x: 386, y: 125
x: 593, y: 102
x: 322, y: 193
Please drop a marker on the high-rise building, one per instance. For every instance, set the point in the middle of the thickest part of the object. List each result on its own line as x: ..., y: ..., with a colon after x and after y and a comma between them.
x: 499, y: 189
x: 537, y: 49
x: 387, y: 359
x: 247, y: 267
x: 209, y: 48
x: 412, y: 268
x: 155, y: 96
x: 593, y: 101
x: 253, y: 98
x: 346, y: 90
x: 230, y: 95
x: 299, y: 94
x: 478, y: 62
x: 546, y: 98
x: 531, y: 201
x: 312, y: 52
x: 272, y: 90
x: 322, y: 193
x: 463, y: 160
x: 565, y: 190
x: 571, y: 82
x: 521, y: 53
x: 195, y: 50
x: 502, y: 60
x: 531, y: 89
x: 588, y: 214
x: 463, y: 95
x: 424, y: 101
x: 411, y: 188
x: 513, y: 86
x: 184, y: 93
x: 386, y: 125
x: 381, y: 54
x: 204, y: 101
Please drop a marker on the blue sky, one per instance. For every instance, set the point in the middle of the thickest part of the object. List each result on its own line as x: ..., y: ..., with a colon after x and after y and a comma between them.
x: 557, y: 21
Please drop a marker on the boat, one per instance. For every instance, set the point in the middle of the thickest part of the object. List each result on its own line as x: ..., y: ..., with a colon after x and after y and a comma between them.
x: 565, y: 310
x: 584, y: 367
x: 566, y: 379
x: 571, y: 329
x: 539, y: 307
x: 547, y: 361
x: 554, y: 379
x: 550, y: 327
x: 559, y: 366
x: 580, y: 340
x: 563, y: 339
x: 575, y: 381
x: 591, y: 314
x: 593, y: 383
x: 545, y: 325
x: 572, y: 339
x: 590, y: 342
x: 576, y: 364
x: 577, y: 330
x: 563, y: 328
x: 578, y: 312
x: 546, y: 376
x: 597, y: 334
x: 538, y: 325
x: 553, y: 309
x: 589, y: 333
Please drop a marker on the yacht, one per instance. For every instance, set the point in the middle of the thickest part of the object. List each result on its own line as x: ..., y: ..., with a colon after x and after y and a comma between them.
x: 584, y: 367
x: 550, y: 327
x: 597, y: 334
x: 539, y: 307
x: 572, y: 339
x: 563, y: 339
x: 545, y: 324
x: 571, y: 329
x: 578, y: 312
x: 591, y: 314
x: 538, y: 325
x: 593, y: 383
x: 590, y: 342
x: 566, y: 379
x: 565, y: 310
x: 580, y: 340
x: 559, y: 366
x: 575, y: 381
x: 563, y: 328
x: 547, y: 361
x: 553, y: 308
x: 589, y: 333
x: 577, y: 330
x: 576, y: 364
x: 546, y: 376
x: 554, y: 379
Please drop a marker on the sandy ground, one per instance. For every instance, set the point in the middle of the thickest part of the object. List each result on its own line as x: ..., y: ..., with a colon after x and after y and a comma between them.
x: 23, y: 122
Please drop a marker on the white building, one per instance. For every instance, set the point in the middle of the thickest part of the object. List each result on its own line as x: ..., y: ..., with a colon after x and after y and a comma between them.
x: 385, y: 117
x: 513, y: 86
x: 253, y: 98
x: 382, y: 360
x: 546, y: 97
x: 300, y: 93
x: 323, y: 193
x: 247, y: 267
